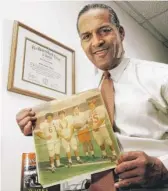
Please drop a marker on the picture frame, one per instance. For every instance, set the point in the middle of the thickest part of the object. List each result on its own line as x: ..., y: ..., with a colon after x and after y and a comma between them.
x: 40, y: 66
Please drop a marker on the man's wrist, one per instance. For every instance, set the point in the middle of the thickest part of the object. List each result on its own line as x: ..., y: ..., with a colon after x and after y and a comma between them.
x: 163, y: 170
x: 156, y: 174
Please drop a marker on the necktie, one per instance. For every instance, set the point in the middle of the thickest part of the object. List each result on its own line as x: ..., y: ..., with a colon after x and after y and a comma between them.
x: 107, y: 91
x: 104, y: 181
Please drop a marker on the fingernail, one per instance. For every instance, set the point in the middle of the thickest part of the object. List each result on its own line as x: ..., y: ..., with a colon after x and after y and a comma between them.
x: 116, y: 185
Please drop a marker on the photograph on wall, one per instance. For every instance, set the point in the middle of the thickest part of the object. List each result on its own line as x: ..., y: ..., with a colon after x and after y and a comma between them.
x: 73, y: 137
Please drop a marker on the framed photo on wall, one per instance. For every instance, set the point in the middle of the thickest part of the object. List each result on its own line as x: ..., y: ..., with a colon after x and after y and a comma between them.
x: 40, y: 66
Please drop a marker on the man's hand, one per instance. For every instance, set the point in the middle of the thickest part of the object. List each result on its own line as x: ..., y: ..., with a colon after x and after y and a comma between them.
x: 48, y: 137
x: 137, y: 168
x: 68, y: 139
x: 25, y: 119
x: 95, y: 127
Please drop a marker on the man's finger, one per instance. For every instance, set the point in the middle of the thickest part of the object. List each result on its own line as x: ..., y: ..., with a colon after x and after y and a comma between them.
x: 125, y: 166
x: 28, y: 128
x: 25, y: 121
x: 131, y: 173
x: 128, y: 182
x: 24, y: 113
x: 129, y: 156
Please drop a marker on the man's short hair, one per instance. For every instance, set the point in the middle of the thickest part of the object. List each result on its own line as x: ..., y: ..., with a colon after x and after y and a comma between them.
x: 48, y: 114
x: 75, y: 106
x: 92, y: 100
x: 114, y: 18
x: 61, y: 112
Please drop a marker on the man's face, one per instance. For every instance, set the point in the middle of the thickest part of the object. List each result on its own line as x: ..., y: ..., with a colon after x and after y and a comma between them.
x: 62, y: 115
x: 100, y: 39
x: 49, y: 118
x: 76, y: 110
x: 91, y: 106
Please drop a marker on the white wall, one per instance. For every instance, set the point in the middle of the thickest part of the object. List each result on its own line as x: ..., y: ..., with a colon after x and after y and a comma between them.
x: 57, y: 20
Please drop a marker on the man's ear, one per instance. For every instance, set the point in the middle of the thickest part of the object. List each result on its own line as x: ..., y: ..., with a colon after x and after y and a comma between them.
x: 122, y: 32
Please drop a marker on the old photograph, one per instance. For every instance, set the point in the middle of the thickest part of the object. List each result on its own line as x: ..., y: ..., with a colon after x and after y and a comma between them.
x: 73, y: 137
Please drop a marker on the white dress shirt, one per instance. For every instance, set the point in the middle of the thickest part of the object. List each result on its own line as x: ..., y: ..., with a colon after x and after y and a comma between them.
x: 140, y: 111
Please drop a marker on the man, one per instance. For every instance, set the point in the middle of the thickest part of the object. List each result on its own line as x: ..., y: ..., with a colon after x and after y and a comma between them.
x: 100, y: 133
x: 139, y: 123
x: 142, y: 126
x: 48, y: 132
x: 66, y: 132
x: 84, y: 137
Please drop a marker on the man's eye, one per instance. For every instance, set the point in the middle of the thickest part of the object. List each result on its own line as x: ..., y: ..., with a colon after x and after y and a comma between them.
x: 86, y: 37
x: 105, y: 30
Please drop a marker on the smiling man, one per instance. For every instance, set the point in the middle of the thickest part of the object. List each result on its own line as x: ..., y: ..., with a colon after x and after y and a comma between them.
x: 141, y: 126
x: 100, y: 40
x: 131, y: 84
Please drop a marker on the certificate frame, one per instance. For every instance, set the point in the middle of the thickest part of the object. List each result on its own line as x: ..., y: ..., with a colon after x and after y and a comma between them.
x: 40, y: 66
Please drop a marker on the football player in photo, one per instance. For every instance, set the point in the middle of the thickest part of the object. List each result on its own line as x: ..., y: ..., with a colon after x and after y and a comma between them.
x: 66, y: 132
x: 81, y: 125
x: 97, y: 115
x: 48, y: 132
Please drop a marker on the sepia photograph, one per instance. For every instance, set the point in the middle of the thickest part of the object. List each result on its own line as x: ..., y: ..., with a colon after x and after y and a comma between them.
x: 73, y: 137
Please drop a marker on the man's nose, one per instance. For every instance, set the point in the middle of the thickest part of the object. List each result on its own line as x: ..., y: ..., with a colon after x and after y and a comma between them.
x: 97, y: 40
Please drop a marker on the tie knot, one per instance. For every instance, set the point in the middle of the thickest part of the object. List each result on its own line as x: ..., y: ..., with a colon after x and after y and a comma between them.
x: 106, y: 74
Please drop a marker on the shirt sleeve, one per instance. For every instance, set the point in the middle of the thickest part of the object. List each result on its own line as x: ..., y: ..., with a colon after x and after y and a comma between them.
x: 161, y: 80
x: 42, y: 126
x: 84, y: 117
x: 87, y: 115
x: 56, y: 125
x: 164, y: 91
x: 160, y: 101
x: 70, y: 120
x: 164, y: 160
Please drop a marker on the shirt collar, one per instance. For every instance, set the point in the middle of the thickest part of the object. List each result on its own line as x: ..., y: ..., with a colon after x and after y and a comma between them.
x: 115, y: 73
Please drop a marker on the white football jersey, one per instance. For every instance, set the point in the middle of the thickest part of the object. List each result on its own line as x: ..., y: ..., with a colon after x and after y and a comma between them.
x: 97, y: 114
x: 80, y: 119
x: 65, y: 127
x: 49, y: 129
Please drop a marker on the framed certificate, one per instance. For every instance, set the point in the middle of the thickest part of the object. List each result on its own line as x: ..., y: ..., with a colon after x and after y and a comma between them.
x: 40, y: 67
